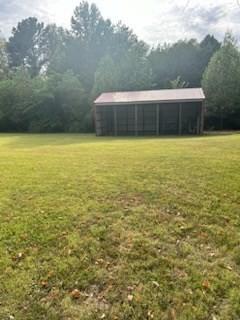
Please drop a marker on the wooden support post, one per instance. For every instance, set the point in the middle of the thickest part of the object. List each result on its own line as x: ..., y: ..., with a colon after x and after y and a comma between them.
x: 199, y: 121
x: 157, y: 119
x: 136, y: 119
x: 202, y: 118
x: 115, y: 120
x: 98, y: 121
x: 180, y: 119
x: 161, y: 119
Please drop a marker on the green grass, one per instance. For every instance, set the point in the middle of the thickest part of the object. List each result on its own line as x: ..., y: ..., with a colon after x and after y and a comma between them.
x: 143, y: 228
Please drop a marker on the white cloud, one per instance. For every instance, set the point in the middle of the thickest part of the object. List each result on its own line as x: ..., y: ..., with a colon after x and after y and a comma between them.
x: 155, y: 21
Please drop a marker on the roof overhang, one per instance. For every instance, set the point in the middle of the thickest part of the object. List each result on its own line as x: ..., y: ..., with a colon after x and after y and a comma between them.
x: 146, y: 102
x: 150, y: 97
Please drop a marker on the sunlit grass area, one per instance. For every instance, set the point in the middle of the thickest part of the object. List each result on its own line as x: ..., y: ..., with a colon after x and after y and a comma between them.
x: 118, y: 228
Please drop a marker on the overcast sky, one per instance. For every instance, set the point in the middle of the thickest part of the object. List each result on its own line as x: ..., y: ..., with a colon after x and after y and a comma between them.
x: 155, y: 21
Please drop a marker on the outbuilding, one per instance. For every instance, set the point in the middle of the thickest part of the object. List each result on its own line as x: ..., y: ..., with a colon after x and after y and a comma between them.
x: 153, y: 112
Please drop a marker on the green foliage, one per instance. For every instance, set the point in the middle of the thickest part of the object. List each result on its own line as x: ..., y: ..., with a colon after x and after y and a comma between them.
x: 178, y: 83
x: 221, y: 81
x: 106, y: 77
x: 88, y: 23
x: 187, y: 59
x: 91, y: 40
x: 130, y: 72
x: 16, y: 99
x: 23, y: 45
x: 3, y: 60
x: 208, y: 46
x: 126, y: 67
x: 52, y: 48
x: 50, y: 76
x: 55, y: 103
x: 135, y: 70
x: 71, y: 99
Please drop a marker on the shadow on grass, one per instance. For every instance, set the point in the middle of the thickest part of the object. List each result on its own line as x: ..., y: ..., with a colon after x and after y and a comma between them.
x: 32, y: 140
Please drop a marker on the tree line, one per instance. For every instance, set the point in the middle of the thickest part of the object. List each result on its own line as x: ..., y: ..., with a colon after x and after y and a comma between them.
x: 49, y: 76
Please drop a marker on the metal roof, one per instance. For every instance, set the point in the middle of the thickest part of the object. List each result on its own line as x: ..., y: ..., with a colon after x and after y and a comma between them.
x: 150, y: 96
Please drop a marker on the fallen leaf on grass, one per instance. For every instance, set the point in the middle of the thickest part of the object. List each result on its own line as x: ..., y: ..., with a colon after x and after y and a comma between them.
x: 150, y: 315
x: 130, y: 298
x: 50, y: 274
x: 44, y: 284
x: 156, y: 284
x: 99, y: 261
x: 206, y: 284
x: 229, y: 268
x: 130, y: 288
x: 75, y: 294
x: 212, y: 254
x: 18, y: 257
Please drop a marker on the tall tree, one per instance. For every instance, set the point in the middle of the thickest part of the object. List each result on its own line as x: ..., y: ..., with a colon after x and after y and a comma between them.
x: 178, y: 83
x: 3, y: 59
x: 208, y: 46
x: 89, y: 44
x: 23, y: 45
x: 71, y: 99
x: 187, y: 59
x: 52, y: 48
x: 88, y: 23
x: 130, y: 55
x: 106, y: 77
x: 221, y: 81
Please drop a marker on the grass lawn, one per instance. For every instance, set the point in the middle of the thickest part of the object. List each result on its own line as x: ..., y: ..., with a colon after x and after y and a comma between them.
x: 117, y: 228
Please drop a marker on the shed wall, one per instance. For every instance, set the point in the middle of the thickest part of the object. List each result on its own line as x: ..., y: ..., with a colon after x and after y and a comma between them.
x: 149, y: 119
